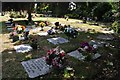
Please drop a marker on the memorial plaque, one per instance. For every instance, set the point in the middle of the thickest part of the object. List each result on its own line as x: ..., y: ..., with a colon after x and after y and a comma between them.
x: 23, y: 48
x: 36, y: 67
x: 57, y: 40
x: 76, y: 54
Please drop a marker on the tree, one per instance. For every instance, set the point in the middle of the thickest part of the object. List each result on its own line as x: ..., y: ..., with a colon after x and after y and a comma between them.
x: 116, y: 24
x: 101, y: 9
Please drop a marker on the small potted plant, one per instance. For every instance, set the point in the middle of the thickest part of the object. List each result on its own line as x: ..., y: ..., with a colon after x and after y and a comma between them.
x: 69, y: 73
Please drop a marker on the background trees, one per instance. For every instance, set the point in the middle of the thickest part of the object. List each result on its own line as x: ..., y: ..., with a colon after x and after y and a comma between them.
x: 99, y: 11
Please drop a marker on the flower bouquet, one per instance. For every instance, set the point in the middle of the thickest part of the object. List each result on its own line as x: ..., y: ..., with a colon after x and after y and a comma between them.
x: 55, y: 57
x: 42, y: 24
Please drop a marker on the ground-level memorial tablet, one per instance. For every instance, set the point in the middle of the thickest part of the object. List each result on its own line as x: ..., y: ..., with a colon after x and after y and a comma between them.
x: 76, y: 54
x: 96, y: 56
x: 42, y: 33
x: 36, y: 67
x: 105, y: 37
x: 23, y: 48
x: 57, y: 40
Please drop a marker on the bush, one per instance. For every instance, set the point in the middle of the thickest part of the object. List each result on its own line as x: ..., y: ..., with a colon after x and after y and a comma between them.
x: 108, y: 16
x: 14, y: 15
x: 101, y: 9
x: 116, y: 26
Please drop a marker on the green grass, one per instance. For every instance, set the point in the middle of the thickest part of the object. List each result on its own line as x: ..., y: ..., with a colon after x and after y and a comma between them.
x: 12, y: 68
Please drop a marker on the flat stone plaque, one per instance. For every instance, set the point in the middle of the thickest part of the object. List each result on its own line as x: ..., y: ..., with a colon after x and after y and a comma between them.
x: 36, y: 67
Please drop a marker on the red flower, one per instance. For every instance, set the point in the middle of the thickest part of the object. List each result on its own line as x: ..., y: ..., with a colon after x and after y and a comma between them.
x: 62, y: 54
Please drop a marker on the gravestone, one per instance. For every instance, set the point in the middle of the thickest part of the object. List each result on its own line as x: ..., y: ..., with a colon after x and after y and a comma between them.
x: 29, y: 27
x: 105, y: 37
x: 42, y: 33
x: 23, y: 48
x: 10, y: 29
x: 98, y: 43
x: 36, y: 30
x: 96, y: 56
x: 36, y: 67
x: 57, y: 40
x: 76, y: 54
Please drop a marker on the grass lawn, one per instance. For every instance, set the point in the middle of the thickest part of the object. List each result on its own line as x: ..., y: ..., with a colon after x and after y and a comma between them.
x: 90, y: 70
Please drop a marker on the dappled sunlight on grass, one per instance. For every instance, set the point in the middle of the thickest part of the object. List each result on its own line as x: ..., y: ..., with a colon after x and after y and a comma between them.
x: 12, y: 67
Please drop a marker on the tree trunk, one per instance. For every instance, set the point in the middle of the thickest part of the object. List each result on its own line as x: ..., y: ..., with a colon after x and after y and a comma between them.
x: 29, y: 10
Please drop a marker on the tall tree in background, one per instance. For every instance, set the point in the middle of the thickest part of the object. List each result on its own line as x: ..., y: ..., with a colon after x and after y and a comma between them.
x: 29, y: 9
x: 100, y: 9
x: 116, y: 24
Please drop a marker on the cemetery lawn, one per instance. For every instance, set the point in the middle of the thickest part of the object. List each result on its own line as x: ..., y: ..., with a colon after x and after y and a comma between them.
x: 90, y: 70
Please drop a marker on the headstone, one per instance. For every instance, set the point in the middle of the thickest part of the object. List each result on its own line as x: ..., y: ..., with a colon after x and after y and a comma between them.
x: 80, y: 29
x: 42, y: 33
x: 9, y: 26
x: 36, y: 67
x: 96, y: 56
x: 98, y: 43
x: 10, y: 29
x: 35, y: 30
x: 101, y: 44
x: 57, y: 40
x: 29, y: 27
x: 23, y: 48
x: 105, y: 37
x: 76, y: 54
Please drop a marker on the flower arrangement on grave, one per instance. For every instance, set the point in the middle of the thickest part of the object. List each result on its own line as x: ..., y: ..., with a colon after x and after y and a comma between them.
x: 69, y: 73
x: 55, y: 57
x: 42, y: 24
x: 15, y: 38
x: 70, y: 32
x: 47, y: 23
x: 36, y: 24
x: 19, y: 28
x: 26, y: 33
x: 57, y: 24
x: 51, y: 31
x: 19, y: 33
x: 13, y: 34
x: 27, y: 57
x: 90, y: 48
x: 86, y: 47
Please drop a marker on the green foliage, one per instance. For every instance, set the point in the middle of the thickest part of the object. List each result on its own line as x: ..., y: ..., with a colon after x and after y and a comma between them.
x: 109, y: 16
x: 42, y: 7
x: 15, y: 15
x: 101, y: 9
x: 89, y: 57
x: 116, y: 26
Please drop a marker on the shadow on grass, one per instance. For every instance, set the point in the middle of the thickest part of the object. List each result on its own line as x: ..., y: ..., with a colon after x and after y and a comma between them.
x: 90, y: 70
x: 3, y: 26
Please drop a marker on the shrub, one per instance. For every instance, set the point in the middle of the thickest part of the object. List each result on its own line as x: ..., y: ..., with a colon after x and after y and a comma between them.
x: 108, y: 16
x: 116, y: 26
x: 14, y: 15
x: 101, y: 9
